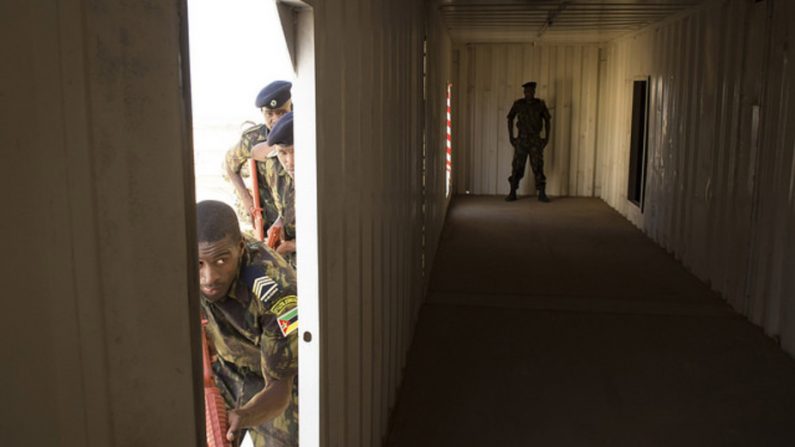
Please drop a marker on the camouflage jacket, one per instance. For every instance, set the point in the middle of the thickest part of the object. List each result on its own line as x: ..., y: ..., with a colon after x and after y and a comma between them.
x: 255, y: 327
x: 530, y: 117
x: 239, y: 154
x: 283, y: 193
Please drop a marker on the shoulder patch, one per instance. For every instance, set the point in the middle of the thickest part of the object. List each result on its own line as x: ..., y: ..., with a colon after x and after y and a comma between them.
x: 279, y: 306
x: 251, y: 127
x: 264, y: 288
x: 288, y: 321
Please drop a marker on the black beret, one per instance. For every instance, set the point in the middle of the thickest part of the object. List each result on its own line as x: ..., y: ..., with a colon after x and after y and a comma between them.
x: 531, y: 84
x: 282, y: 132
x: 274, y: 94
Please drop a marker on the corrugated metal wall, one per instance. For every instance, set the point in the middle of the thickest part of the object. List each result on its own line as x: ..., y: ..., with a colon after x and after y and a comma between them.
x: 97, y: 182
x: 719, y: 191
x: 370, y: 217
x: 439, y: 74
x: 491, y: 78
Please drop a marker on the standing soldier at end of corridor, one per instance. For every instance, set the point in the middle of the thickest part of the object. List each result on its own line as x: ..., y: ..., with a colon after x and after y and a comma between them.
x: 274, y: 100
x: 533, y: 117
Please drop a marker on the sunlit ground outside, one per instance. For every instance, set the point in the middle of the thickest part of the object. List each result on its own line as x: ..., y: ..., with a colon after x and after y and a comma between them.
x: 236, y: 48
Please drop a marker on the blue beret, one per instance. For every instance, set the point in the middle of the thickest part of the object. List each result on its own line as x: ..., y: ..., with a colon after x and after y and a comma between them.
x: 531, y: 84
x: 274, y: 94
x: 282, y: 132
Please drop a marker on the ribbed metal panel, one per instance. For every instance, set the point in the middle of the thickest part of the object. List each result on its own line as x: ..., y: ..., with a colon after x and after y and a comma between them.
x: 719, y: 192
x: 491, y: 79
x: 370, y: 117
x: 553, y: 20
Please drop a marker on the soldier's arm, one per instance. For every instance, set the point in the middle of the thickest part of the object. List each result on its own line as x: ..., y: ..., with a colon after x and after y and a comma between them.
x: 547, y: 126
x: 511, y: 116
x: 278, y: 347
x: 548, y: 129
x: 233, y: 162
x: 264, y: 406
x: 260, y: 151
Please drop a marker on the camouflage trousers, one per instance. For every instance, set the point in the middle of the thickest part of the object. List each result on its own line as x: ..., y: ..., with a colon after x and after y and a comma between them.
x: 523, y: 150
x: 238, y: 386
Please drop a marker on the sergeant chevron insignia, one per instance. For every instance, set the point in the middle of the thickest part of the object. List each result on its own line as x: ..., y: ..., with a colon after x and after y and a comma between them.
x: 264, y: 288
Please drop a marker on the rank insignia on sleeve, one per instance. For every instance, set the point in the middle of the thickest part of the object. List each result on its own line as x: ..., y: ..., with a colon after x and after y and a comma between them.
x: 288, y: 321
x: 264, y: 288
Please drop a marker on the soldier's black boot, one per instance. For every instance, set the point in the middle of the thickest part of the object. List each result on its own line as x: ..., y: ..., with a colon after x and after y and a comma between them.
x: 542, y: 195
x: 511, y: 196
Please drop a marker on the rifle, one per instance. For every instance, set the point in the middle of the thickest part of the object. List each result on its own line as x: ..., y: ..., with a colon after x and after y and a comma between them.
x: 214, y: 407
x: 256, y: 213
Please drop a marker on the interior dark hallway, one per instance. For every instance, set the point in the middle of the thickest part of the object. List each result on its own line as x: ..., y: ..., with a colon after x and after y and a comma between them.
x: 562, y: 324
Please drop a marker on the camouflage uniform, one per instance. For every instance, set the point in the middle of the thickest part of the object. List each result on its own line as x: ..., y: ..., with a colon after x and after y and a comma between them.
x: 283, y: 193
x: 253, y: 334
x: 236, y: 160
x: 531, y: 114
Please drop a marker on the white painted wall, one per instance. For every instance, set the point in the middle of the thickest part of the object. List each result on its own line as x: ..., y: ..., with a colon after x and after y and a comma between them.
x: 720, y: 192
x: 491, y: 78
x: 96, y: 176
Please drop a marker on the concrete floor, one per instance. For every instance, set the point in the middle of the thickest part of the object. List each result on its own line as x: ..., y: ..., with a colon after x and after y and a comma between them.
x: 561, y: 324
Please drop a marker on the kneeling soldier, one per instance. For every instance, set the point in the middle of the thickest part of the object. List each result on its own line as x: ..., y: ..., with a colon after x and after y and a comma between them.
x: 248, y: 296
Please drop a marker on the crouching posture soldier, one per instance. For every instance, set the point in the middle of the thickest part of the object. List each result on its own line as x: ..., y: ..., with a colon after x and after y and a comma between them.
x: 274, y: 101
x: 533, y: 117
x: 282, y: 184
x: 248, y: 297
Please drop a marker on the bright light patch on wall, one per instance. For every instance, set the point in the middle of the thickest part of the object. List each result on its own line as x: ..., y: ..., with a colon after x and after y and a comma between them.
x: 449, y: 156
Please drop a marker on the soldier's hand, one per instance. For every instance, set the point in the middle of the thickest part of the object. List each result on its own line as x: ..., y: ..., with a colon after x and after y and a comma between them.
x: 275, y: 234
x: 234, y: 425
x: 248, y: 204
x: 513, y: 141
x: 544, y: 142
x: 286, y: 247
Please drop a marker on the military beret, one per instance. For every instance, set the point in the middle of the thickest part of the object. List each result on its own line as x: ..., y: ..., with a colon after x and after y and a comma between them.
x: 274, y: 94
x: 282, y: 132
x: 531, y: 84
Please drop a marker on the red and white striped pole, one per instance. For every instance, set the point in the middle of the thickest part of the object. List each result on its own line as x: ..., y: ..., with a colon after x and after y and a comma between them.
x: 449, y: 164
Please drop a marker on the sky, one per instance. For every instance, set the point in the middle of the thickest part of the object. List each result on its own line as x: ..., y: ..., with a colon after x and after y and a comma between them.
x: 236, y: 48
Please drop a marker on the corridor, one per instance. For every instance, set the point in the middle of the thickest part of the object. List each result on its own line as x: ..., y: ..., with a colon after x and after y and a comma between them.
x: 564, y: 325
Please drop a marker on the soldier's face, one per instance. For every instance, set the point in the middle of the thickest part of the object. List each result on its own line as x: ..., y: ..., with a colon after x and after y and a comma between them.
x: 272, y: 116
x: 529, y: 92
x: 286, y: 156
x: 218, y: 264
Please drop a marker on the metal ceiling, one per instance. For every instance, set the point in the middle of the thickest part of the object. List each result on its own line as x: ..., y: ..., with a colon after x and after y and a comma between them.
x: 553, y: 20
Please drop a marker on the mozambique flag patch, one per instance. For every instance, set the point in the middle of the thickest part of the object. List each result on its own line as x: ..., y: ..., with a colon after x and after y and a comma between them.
x: 288, y: 321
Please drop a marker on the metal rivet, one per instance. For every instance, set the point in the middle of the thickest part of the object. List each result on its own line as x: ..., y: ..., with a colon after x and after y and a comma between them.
x: 307, y: 336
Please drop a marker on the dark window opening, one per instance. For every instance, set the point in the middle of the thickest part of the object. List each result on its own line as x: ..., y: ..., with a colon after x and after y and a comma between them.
x: 638, y: 143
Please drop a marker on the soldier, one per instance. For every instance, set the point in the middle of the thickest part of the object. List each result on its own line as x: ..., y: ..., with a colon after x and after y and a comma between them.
x: 248, y: 297
x: 533, y: 117
x: 274, y: 101
x: 282, y: 183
